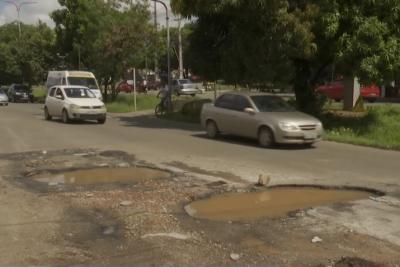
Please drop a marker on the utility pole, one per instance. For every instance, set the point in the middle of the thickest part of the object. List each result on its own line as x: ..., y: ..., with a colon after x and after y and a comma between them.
x: 79, y: 57
x: 169, y: 99
x: 134, y: 88
x: 180, y: 49
x: 155, y: 41
x: 18, y: 7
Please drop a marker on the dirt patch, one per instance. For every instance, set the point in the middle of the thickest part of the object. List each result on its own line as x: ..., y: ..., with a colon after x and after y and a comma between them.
x: 116, y: 154
x: 356, y: 262
x: 218, y: 174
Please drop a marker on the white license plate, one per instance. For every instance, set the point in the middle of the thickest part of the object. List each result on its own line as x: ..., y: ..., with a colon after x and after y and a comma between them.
x: 310, y: 135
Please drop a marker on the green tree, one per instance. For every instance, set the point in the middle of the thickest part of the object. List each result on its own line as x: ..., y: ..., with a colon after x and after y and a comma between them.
x: 25, y: 59
x: 186, y: 32
x: 111, y: 36
x: 123, y: 43
x: 296, y: 40
x: 78, y: 24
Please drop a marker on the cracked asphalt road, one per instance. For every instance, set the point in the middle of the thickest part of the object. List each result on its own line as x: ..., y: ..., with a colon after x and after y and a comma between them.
x: 24, y: 129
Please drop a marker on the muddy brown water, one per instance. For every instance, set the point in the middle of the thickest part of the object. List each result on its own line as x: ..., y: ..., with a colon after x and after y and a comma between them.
x: 102, y: 176
x: 272, y: 203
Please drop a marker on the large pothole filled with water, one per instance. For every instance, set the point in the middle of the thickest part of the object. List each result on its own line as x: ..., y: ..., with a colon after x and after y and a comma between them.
x: 101, y: 176
x: 272, y: 203
x: 92, y: 178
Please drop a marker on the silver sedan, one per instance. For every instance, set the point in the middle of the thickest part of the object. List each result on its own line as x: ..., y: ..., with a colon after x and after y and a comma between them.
x: 268, y: 118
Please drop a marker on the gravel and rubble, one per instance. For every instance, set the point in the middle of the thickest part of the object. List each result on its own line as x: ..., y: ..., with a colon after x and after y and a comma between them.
x: 144, y: 222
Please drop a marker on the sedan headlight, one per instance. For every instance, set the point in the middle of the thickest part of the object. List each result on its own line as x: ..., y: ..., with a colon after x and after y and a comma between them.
x: 73, y: 106
x: 288, y: 126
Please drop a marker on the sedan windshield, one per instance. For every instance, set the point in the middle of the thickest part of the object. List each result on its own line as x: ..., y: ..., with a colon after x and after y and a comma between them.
x: 82, y: 81
x: 184, y: 81
x: 21, y: 88
x: 266, y: 103
x: 79, y: 93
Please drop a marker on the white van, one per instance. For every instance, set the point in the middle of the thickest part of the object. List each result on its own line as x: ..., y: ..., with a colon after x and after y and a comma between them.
x: 78, y: 78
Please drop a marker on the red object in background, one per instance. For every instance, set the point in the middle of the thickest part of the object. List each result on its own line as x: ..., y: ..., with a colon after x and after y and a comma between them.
x: 125, y: 87
x: 335, y: 91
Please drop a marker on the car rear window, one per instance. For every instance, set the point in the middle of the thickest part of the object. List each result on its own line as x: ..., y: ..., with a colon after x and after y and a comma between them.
x: 184, y: 81
x: 21, y: 88
x: 266, y: 103
x: 225, y: 101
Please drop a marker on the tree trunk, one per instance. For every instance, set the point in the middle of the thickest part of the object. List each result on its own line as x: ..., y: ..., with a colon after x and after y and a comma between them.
x: 113, y: 90
x: 106, y: 90
x: 306, y: 98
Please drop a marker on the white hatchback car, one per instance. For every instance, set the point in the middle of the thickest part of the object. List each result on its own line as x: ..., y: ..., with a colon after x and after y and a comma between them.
x: 74, y: 103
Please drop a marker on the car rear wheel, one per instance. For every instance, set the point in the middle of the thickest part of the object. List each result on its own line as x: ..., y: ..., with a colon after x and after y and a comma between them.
x: 266, y: 137
x: 47, y: 115
x: 65, y: 117
x: 212, y: 129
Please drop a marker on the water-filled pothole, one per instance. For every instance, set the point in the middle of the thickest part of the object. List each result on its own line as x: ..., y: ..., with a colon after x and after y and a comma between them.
x: 101, y: 176
x: 272, y: 203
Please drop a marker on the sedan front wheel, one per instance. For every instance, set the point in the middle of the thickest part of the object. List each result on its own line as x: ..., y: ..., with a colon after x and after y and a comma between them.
x: 65, y: 117
x: 102, y: 120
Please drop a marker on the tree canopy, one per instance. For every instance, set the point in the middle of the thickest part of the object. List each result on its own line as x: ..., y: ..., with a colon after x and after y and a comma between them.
x: 295, y: 41
x: 108, y: 37
x: 25, y: 59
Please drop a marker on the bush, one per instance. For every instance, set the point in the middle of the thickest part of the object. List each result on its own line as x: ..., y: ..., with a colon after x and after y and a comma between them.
x: 378, y: 127
x: 125, y: 103
x: 39, y: 94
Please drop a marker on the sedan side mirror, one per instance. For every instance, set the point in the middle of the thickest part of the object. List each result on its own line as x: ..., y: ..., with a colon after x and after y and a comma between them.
x: 250, y: 111
x: 59, y: 97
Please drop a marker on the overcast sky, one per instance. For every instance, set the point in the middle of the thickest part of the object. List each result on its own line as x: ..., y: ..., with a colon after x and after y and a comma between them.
x: 30, y: 14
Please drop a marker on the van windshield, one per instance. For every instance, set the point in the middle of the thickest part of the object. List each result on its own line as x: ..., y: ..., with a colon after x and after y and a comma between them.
x: 83, y: 81
x: 79, y: 93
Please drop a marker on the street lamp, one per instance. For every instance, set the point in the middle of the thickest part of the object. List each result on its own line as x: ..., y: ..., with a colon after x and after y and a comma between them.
x: 168, y: 51
x: 18, y: 6
x: 62, y: 58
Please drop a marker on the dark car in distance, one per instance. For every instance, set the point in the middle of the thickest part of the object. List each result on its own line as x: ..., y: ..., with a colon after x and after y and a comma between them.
x: 20, y: 93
